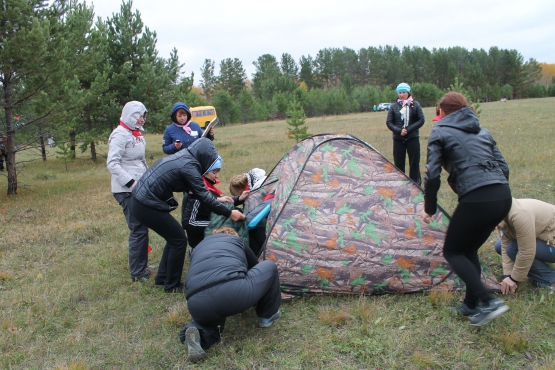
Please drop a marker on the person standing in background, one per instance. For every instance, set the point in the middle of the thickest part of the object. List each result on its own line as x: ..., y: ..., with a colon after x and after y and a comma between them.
x: 182, y: 132
x: 404, y: 119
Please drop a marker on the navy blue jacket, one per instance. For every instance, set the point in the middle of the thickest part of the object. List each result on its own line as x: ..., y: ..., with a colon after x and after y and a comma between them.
x: 175, y: 132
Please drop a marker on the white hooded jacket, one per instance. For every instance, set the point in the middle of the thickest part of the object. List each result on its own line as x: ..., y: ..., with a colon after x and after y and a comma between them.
x: 126, y: 154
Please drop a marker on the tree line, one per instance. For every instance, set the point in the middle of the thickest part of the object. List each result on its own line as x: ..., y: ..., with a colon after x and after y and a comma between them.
x: 63, y: 74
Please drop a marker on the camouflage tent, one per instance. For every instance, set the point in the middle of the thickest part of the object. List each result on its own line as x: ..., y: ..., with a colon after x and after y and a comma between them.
x: 346, y: 220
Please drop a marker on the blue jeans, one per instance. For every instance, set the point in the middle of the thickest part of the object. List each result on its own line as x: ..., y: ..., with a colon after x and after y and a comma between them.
x: 541, y: 273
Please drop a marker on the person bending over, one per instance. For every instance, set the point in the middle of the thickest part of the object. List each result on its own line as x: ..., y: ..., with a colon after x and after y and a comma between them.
x: 225, y: 279
x: 479, y: 175
x: 526, y: 244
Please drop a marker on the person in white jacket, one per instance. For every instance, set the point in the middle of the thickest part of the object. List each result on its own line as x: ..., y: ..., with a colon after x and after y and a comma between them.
x: 126, y: 162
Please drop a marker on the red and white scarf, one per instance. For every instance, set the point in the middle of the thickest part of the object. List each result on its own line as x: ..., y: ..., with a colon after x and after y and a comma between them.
x: 135, y: 133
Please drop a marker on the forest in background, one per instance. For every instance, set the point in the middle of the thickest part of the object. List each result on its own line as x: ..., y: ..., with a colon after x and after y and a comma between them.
x: 65, y: 75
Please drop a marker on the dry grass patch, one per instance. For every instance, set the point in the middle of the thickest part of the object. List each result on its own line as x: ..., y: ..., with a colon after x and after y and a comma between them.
x: 334, y: 317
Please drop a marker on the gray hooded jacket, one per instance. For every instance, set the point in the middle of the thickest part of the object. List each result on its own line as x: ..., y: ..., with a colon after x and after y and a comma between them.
x: 126, y: 153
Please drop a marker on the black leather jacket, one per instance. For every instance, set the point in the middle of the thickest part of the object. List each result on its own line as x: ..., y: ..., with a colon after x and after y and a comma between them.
x: 395, y: 123
x: 467, y: 152
x: 179, y: 172
x: 217, y: 259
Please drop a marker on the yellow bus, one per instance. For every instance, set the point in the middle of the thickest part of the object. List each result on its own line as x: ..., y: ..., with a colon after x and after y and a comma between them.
x: 203, y: 115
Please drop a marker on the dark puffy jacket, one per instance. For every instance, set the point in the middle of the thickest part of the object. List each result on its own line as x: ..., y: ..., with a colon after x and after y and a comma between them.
x: 395, y: 123
x: 217, y: 259
x: 179, y: 172
x: 467, y: 152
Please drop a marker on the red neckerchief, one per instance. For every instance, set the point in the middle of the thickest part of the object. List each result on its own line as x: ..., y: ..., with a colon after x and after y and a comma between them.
x: 211, y: 186
x: 269, y: 196
x: 135, y: 133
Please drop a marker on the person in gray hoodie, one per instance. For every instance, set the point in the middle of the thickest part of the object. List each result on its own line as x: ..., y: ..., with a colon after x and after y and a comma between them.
x: 126, y: 162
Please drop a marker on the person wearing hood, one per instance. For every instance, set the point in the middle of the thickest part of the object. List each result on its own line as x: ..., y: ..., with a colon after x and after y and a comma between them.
x: 126, y: 162
x: 196, y: 216
x: 153, y: 201
x: 479, y: 175
x: 182, y: 132
x: 225, y: 278
x: 404, y: 119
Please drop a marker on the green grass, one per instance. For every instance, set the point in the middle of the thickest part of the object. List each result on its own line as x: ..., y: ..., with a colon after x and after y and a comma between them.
x: 67, y: 302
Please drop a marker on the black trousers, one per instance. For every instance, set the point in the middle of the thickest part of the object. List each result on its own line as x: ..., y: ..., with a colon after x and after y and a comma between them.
x: 173, y: 257
x: 138, y: 237
x: 210, y: 308
x: 195, y: 235
x: 471, y: 225
x: 411, y: 147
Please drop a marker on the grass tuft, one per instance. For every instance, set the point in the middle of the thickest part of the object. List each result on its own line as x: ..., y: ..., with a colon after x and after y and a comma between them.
x: 441, y: 297
x: 334, y: 317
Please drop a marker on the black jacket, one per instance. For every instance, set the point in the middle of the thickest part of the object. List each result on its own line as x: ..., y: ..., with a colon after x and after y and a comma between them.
x: 395, y: 123
x: 217, y: 259
x: 467, y: 152
x: 196, y: 215
x: 179, y: 172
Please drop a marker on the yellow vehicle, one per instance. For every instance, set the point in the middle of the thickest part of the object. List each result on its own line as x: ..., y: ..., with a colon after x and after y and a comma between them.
x: 203, y: 115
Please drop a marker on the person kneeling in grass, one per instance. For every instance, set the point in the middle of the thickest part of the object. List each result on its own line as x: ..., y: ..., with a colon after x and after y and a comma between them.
x: 526, y: 244
x: 225, y: 279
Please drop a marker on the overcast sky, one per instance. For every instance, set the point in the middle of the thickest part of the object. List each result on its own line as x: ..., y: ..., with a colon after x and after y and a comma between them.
x: 247, y: 29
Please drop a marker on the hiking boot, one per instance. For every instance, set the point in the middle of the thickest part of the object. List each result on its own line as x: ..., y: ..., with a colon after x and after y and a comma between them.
x: 144, y: 276
x: 192, y: 340
x: 464, y: 310
x: 265, y: 323
x: 495, y: 309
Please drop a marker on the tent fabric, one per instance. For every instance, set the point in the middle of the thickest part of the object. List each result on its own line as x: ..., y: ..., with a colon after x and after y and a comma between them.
x: 345, y: 220
x: 219, y: 221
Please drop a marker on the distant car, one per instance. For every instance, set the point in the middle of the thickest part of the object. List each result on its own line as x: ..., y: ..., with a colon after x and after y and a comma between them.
x: 383, y: 106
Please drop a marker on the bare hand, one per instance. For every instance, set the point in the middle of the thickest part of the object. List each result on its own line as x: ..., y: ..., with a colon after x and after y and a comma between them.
x: 508, y: 286
x: 236, y: 215
x: 211, y: 131
x: 178, y: 145
x: 404, y: 132
x: 425, y: 217
x: 226, y: 199
x: 244, y: 195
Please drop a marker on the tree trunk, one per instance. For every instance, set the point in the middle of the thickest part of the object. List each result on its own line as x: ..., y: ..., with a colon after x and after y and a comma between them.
x: 9, y: 141
x: 93, y: 151
x: 72, y: 135
x: 42, y: 148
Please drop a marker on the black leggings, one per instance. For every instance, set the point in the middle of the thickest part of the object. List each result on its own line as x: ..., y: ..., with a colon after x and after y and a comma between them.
x: 471, y: 225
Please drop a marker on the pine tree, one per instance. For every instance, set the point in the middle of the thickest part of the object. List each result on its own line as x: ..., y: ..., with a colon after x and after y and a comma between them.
x: 297, y: 127
x: 39, y: 42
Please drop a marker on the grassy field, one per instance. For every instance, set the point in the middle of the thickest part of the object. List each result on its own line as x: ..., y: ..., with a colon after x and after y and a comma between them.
x: 67, y: 301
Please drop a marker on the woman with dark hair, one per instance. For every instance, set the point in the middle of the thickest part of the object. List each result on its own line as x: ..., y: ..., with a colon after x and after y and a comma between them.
x: 479, y: 175
x: 153, y: 201
x: 404, y: 119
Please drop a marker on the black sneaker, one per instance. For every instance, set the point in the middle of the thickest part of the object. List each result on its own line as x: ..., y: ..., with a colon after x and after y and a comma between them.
x: 495, y: 309
x: 464, y: 310
x: 192, y: 340
x: 144, y: 276
x: 178, y: 289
